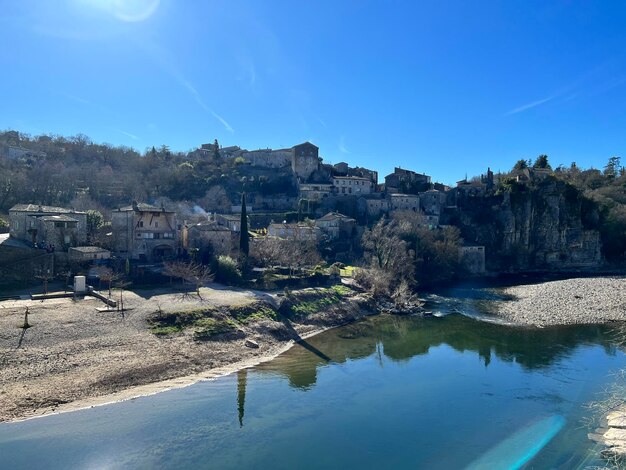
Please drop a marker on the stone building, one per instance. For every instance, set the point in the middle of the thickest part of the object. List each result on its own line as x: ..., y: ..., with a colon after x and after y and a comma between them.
x: 404, y: 202
x: 315, y: 192
x: 231, y: 222
x: 19, y: 261
x: 374, y: 205
x: 336, y: 225
x: 47, y: 225
x: 268, y: 158
x: 305, y: 160
x: 145, y: 232
x: 209, y: 236
x: 407, y: 182
x: 352, y: 186
x: 294, y: 231
x: 83, y: 254
x: 432, y: 202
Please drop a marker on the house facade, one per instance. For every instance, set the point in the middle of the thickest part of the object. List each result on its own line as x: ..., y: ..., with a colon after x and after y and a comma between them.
x: 352, y: 186
x: 404, y: 202
x: 144, y: 232
x: 315, y: 192
x: 407, y: 181
x: 336, y: 225
x: 48, y: 226
x: 83, y: 254
x: 218, y: 239
x: 432, y: 202
x: 294, y: 231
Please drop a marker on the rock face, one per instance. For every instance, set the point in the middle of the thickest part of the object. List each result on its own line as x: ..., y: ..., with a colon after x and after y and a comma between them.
x: 614, y: 438
x: 543, y: 224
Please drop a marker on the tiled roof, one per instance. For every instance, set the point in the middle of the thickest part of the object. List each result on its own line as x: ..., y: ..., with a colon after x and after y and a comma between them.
x: 59, y: 218
x: 333, y: 215
x: 40, y: 208
x: 89, y: 249
x: 209, y: 227
x: 143, y: 207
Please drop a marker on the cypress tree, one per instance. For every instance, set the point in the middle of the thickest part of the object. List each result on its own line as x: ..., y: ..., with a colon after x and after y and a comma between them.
x: 244, y: 242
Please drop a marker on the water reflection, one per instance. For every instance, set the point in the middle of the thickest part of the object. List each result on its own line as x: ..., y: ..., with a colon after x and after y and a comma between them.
x: 400, y: 338
x: 242, y: 381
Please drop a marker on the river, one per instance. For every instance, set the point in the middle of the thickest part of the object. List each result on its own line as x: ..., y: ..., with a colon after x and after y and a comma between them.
x: 388, y: 392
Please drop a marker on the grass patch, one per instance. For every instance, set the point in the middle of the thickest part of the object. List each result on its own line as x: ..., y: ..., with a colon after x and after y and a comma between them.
x: 308, y: 303
x: 165, y: 330
x: 166, y: 323
x: 210, y: 327
x: 204, y: 322
x: 254, y: 312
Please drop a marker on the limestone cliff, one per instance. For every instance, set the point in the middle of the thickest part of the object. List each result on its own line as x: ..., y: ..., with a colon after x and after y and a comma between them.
x: 543, y: 224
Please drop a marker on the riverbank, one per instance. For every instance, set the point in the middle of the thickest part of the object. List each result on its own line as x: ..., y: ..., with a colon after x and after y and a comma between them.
x: 563, y: 302
x: 75, y: 355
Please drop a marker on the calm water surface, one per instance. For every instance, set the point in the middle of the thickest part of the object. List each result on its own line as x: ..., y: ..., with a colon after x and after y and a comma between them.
x: 388, y: 392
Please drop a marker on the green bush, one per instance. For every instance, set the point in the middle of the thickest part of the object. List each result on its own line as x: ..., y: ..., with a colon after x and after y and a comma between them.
x: 227, y: 270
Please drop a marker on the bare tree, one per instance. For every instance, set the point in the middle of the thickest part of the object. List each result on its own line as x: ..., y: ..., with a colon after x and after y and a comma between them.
x: 67, y: 274
x: 267, y: 251
x: 107, y: 275
x: 298, y: 254
x: 175, y: 269
x: 44, y: 277
x: 191, y: 272
x: 121, y: 284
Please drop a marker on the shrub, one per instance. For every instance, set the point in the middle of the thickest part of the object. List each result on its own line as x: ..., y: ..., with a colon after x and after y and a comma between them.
x: 227, y: 270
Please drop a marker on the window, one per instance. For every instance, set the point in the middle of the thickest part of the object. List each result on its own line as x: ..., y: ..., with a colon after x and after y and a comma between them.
x: 156, y: 224
x: 141, y: 223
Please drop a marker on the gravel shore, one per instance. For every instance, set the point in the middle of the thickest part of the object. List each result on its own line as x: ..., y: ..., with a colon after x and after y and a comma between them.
x: 566, y: 302
x: 75, y: 355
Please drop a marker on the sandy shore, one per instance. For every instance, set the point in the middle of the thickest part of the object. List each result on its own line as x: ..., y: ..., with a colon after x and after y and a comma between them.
x: 566, y: 302
x: 75, y: 356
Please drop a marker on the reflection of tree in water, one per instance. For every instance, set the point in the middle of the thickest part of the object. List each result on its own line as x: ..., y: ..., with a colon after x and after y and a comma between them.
x: 242, y: 380
x: 532, y: 348
x: 405, y: 337
x: 300, y: 364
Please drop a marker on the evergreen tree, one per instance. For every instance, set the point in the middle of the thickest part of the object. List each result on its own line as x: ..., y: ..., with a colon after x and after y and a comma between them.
x: 520, y: 165
x: 612, y: 168
x: 542, y: 162
x: 216, y: 150
x: 244, y: 241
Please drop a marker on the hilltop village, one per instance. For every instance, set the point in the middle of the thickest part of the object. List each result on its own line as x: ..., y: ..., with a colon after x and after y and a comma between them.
x: 299, y: 215
x: 107, y: 256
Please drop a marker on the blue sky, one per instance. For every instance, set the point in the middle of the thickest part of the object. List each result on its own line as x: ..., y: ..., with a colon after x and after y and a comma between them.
x: 441, y: 87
